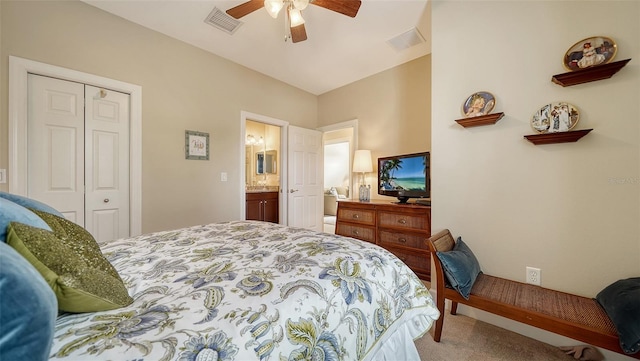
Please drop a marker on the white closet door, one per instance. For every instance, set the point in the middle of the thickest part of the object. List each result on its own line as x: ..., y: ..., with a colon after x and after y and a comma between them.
x: 55, y: 132
x: 78, y: 153
x: 107, y: 163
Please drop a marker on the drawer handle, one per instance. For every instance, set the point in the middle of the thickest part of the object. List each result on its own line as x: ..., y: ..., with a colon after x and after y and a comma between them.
x: 356, y: 216
x: 402, y: 240
x: 355, y: 232
x: 402, y: 221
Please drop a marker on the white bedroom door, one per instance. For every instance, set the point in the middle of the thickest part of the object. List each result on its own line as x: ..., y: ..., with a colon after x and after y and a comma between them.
x: 78, y: 153
x: 304, y: 198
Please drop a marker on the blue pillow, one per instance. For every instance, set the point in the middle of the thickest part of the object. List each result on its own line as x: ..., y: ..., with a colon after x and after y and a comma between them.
x: 28, y: 309
x: 12, y: 212
x: 30, y: 203
x: 620, y: 301
x: 460, y: 267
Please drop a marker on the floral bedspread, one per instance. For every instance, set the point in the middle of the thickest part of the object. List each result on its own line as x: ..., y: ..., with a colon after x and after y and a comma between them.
x: 248, y: 291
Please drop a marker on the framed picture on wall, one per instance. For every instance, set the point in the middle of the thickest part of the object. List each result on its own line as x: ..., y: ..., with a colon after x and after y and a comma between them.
x: 196, y: 145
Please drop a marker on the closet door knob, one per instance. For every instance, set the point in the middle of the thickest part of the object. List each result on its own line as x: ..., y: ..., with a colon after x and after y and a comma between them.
x: 106, y: 200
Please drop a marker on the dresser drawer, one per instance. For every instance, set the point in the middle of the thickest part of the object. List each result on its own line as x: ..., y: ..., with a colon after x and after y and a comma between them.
x: 403, y: 239
x: 360, y: 232
x: 418, y: 262
x: 363, y: 216
x: 403, y: 221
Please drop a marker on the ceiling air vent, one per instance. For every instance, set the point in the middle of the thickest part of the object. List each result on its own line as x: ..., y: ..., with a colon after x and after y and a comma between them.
x: 406, y: 40
x: 222, y: 21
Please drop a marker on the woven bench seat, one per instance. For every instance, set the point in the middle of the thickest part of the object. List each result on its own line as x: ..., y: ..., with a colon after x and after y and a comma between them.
x: 569, y: 315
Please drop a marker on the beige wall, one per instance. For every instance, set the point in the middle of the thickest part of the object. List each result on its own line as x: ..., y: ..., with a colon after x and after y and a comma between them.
x: 571, y: 209
x: 183, y: 87
x: 393, y: 109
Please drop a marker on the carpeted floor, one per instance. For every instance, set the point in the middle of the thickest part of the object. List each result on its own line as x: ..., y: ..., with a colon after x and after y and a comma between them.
x: 467, y: 339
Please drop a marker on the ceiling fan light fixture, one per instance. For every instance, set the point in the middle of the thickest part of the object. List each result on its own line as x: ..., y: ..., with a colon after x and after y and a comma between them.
x: 300, y: 4
x: 273, y: 7
x: 296, y: 17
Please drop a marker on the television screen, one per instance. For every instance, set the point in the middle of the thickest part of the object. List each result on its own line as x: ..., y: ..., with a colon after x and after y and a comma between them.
x: 404, y: 176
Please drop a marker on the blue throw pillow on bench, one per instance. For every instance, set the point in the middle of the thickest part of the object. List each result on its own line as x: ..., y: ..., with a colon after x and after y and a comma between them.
x: 621, y: 302
x: 460, y: 267
x: 28, y: 309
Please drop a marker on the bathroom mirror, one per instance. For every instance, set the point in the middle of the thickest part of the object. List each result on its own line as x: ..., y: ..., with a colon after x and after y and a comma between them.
x: 266, y: 162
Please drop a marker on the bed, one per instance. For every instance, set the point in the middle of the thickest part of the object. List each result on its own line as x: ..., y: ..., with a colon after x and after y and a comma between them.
x: 250, y: 290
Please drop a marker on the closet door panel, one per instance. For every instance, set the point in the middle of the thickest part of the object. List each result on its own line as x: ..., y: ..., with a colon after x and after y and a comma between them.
x: 55, y: 133
x: 107, y: 154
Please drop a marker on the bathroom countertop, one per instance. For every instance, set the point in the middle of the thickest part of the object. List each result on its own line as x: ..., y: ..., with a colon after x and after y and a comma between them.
x: 261, y: 189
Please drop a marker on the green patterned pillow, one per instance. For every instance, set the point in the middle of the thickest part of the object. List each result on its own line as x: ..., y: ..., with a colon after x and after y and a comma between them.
x: 76, y: 237
x: 82, y: 279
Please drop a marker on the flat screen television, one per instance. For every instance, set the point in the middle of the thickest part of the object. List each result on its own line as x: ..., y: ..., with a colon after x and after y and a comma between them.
x: 404, y: 176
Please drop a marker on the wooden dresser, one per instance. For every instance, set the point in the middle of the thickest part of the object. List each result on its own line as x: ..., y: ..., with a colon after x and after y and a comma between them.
x: 402, y: 229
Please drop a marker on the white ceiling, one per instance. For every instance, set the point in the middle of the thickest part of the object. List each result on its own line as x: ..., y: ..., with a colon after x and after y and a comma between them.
x: 339, y: 49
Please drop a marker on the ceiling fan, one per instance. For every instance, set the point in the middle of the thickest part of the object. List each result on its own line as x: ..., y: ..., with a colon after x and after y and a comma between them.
x: 294, y: 8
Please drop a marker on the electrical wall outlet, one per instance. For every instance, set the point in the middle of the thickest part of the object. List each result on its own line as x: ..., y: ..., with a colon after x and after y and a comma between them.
x: 533, y: 276
x: 3, y: 176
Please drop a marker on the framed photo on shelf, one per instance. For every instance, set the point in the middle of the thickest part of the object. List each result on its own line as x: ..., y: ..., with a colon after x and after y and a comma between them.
x: 596, y: 50
x: 196, y: 145
x: 477, y: 104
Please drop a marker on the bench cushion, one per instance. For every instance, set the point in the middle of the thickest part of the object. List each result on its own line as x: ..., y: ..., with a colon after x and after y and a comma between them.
x: 620, y: 301
x: 563, y: 306
x: 461, y: 267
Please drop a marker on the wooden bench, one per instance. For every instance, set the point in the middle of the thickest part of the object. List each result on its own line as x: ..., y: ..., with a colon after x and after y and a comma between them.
x: 576, y: 317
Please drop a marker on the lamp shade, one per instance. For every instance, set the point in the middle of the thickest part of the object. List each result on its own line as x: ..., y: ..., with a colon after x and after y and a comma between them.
x: 296, y: 17
x: 300, y: 4
x: 273, y: 7
x: 362, y: 161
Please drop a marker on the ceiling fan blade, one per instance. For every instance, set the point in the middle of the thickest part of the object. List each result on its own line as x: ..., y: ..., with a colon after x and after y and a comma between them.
x: 346, y: 7
x: 298, y: 33
x: 245, y: 8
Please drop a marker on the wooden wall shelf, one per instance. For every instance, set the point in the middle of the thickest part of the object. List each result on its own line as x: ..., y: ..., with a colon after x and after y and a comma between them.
x: 480, y: 120
x: 560, y: 137
x: 599, y: 72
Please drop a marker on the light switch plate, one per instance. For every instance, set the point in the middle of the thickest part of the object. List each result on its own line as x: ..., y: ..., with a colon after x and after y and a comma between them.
x: 3, y: 176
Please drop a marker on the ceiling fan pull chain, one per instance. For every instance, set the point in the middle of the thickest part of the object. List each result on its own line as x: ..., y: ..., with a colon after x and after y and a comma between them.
x: 287, y: 31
